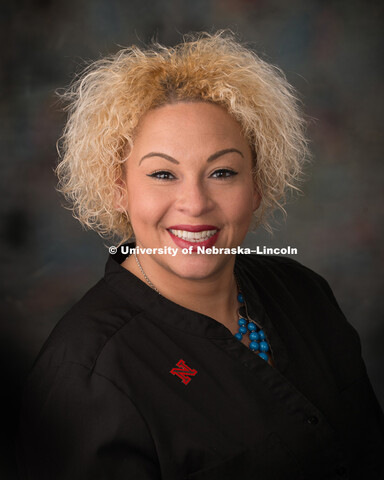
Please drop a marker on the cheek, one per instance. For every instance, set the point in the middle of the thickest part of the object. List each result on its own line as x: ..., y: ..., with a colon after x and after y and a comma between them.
x: 239, y: 208
x: 146, y: 206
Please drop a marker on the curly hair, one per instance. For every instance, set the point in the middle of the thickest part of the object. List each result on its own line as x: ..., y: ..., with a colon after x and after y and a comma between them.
x: 106, y: 102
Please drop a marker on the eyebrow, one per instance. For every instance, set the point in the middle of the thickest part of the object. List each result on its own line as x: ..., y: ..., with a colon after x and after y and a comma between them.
x: 211, y: 158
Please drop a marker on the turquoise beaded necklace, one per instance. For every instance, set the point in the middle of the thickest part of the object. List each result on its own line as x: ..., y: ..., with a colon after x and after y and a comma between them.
x: 258, y: 342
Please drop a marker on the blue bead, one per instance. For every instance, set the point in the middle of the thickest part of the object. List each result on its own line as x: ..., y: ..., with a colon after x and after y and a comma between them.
x: 264, y: 356
x: 243, y: 330
x: 238, y: 335
x: 240, y: 298
x: 252, y: 326
x: 262, y: 335
x: 254, y: 336
x: 254, y: 346
x: 242, y: 322
x: 264, y: 347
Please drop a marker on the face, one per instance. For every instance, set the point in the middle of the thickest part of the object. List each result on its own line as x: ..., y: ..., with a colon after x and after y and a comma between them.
x: 189, y: 183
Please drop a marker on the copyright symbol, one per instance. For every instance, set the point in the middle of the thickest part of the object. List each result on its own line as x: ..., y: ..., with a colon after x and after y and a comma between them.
x: 112, y: 250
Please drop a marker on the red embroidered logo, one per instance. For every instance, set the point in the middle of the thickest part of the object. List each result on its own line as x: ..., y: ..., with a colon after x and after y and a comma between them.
x: 184, y: 372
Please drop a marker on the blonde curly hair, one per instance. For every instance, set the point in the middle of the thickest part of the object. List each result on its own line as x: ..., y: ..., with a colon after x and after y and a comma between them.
x: 107, y: 101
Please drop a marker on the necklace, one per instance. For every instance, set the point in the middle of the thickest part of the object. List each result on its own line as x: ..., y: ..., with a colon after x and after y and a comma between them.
x: 144, y: 275
x: 258, y: 343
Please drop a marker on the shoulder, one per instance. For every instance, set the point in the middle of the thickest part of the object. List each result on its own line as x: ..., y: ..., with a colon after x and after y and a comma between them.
x: 84, y: 331
x: 288, y: 288
x: 282, y: 272
x: 299, y: 292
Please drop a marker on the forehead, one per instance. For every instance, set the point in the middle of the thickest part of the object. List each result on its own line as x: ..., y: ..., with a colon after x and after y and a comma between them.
x: 185, y: 122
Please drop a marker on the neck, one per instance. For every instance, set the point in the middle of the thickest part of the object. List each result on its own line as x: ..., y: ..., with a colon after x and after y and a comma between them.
x: 214, y: 296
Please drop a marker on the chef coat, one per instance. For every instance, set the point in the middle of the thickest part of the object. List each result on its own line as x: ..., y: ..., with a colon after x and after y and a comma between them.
x: 130, y: 385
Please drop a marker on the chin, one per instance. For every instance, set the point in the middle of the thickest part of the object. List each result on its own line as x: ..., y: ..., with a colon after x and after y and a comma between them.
x: 198, y: 267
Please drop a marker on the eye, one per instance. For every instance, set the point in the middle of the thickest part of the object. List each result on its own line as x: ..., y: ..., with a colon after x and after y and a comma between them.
x: 162, y: 175
x: 223, y: 173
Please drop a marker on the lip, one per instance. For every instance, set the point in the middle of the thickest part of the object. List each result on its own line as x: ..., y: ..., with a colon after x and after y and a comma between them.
x: 208, y: 243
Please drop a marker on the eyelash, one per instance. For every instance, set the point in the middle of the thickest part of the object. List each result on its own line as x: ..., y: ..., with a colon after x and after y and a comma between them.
x: 227, y: 171
x: 161, y: 174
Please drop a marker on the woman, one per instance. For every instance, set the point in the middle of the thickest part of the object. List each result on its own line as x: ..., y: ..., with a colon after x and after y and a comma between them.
x: 183, y: 363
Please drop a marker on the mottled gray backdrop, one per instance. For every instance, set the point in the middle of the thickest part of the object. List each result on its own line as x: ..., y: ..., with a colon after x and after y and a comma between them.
x: 330, y: 50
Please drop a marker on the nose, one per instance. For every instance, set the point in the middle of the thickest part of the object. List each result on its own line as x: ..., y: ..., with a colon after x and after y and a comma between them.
x: 194, y: 199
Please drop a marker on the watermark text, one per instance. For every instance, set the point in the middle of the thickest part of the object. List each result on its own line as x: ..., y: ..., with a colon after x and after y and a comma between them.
x: 258, y: 250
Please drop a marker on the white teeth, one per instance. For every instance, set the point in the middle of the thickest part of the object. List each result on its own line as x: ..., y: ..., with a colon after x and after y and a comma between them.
x: 193, y: 236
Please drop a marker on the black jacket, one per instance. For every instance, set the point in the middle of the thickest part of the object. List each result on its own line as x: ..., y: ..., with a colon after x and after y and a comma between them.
x: 132, y: 386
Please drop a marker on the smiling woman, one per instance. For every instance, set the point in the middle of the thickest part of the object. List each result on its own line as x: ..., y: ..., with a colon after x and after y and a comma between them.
x: 180, y: 364
x: 107, y: 103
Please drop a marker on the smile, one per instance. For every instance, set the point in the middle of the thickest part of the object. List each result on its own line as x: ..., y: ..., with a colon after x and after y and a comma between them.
x: 187, y: 236
x: 193, y: 236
